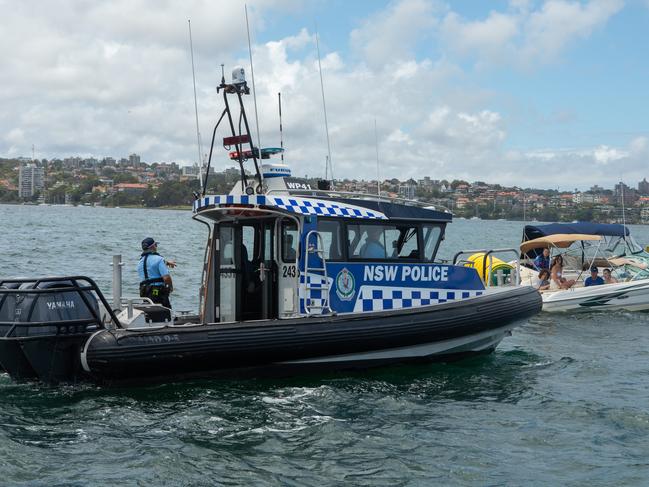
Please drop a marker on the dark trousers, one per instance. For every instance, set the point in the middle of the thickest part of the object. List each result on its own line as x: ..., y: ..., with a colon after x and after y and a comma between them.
x: 157, y: 294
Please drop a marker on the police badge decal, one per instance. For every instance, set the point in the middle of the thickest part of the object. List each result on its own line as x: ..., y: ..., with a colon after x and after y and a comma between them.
x: 345, y: 285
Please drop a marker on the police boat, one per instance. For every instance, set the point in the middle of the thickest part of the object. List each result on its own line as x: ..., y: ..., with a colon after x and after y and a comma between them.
x: 295, y: 279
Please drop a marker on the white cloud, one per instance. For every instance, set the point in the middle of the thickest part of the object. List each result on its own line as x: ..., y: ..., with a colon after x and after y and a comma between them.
x: 560, y: 22
x: 113, y: 84
x: 490, y: 38
x: 571, y: 168
x: 524, y: 36
x: 605, y: 155
x: 391, y: 34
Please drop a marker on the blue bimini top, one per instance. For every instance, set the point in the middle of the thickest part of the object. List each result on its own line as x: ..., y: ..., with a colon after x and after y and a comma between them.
x: 530, y: 232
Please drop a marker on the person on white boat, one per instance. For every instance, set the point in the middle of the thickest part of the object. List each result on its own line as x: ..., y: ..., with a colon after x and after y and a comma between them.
x: 542, y: 261
x: 557, y: 281
x: 543, y: 280
x: 594, y: 279
x: 608, y: 278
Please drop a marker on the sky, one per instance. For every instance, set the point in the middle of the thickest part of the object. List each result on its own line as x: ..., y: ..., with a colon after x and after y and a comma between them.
x: 545, y: 94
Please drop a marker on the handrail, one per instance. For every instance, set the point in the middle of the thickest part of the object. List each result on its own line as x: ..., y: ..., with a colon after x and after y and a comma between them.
x: 91, y: 286
x: 487, y: 253
x: 318, y: 250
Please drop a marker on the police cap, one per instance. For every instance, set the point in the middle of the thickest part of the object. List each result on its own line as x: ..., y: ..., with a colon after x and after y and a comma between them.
x: 147, y: 243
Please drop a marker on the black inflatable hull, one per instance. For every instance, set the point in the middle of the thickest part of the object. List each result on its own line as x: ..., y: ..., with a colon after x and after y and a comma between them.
x: 51, y: 359
x: 439, y: 332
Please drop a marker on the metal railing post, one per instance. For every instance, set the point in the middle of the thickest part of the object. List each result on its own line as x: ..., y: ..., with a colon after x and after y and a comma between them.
x: 117, y: 282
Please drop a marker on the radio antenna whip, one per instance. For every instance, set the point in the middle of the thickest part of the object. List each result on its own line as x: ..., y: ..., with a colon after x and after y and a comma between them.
x: 254, y: 91
x: 198, y: 133
x: 324, y: 107
x: 281, y: 133
x: 623, y: 216
x: 376, y: 143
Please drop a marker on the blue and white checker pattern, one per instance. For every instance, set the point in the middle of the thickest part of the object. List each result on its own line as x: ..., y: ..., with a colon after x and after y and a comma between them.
x: 317, y: 297
x: 302, y: 206
x: 308, y: 206
x: 377, y: 298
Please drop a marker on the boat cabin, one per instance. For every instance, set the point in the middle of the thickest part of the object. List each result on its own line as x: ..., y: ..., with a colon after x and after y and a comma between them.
x: 299, y: 252
x: 278, y: 248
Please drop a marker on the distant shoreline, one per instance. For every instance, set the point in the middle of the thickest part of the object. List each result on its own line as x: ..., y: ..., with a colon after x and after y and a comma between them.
x: 130, y: 207
x: 189, y: 208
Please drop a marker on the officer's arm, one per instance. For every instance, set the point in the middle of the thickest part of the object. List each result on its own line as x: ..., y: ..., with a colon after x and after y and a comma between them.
x: 164, y: 272
x: 167, y: 281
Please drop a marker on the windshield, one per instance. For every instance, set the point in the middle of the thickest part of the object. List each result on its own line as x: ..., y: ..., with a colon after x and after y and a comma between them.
x: 583, y: 253
x: 618, y: 246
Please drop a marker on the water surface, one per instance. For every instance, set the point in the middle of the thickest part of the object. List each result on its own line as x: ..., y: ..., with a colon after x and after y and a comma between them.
x: 563, y: 401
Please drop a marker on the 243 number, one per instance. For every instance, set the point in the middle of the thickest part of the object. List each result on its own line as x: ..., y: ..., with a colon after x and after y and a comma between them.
x: 289, y: 271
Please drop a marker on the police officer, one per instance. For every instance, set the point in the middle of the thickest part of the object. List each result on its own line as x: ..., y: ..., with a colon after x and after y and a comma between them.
x: 155, y: 281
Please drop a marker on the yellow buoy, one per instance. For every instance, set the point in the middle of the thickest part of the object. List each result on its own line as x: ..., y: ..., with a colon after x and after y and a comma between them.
x: 488, y: 270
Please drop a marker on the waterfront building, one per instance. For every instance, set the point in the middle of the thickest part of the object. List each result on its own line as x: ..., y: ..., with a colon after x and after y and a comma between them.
x: 30, y: 180
x: 643, y: 187
x: 589, y: 198
x: 134, y: 160
x: 191, y: 171
x: 644, y: 214
x: 622, y: 191
x: 407, y: 191
x: 133, y: 188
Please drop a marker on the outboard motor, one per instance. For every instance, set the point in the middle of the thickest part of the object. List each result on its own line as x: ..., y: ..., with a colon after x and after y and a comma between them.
x: 44, y: 324
x: 7, y: 307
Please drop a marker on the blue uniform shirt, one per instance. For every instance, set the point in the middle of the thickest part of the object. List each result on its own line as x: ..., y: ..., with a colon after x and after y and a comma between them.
x: 589, y: 281
x: 155, y: 266
x: 373, y: 250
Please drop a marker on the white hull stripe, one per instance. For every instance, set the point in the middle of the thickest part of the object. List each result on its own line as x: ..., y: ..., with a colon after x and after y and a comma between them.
x: 471, y: 343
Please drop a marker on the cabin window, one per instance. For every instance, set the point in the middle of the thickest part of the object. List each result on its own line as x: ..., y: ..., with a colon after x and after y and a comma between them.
x: 249, y: 244
x: 226, y: 240
x: 379, y: 242
x: 331, y: 233
x: 431, y: 235
x: 290, y: 240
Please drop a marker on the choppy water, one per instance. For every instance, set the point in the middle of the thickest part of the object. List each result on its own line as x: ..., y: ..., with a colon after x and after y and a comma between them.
x: 564, y: 401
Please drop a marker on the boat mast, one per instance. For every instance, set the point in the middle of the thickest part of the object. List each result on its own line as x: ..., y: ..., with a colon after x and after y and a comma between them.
x: 626, y: 247
x: 254, y: 95
x: 324, y: 107
x: 281, y: 133
x: 378, y: 179
x: 198, y: 133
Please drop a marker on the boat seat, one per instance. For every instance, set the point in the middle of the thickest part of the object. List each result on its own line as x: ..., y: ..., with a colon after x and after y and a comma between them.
x: 154, y: 312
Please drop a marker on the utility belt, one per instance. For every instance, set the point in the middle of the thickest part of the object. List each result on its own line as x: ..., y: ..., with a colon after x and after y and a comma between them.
x: 153, y: 287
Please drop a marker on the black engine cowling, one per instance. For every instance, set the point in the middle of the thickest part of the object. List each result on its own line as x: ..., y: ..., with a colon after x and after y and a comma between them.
x: 43, y: 326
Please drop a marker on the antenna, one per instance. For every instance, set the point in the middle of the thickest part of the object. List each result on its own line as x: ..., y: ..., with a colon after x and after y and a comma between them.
x: 198, y: 134
x: 324, y: 106
x: 623, y: 215
x: 376, y: 143
x: 326, y: 167
x: 254, y: 92
x: 281, y: 133
x: 524, y: 219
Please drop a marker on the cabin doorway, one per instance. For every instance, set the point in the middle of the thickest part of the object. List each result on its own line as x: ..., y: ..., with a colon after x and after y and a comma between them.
x: 247, y: 271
